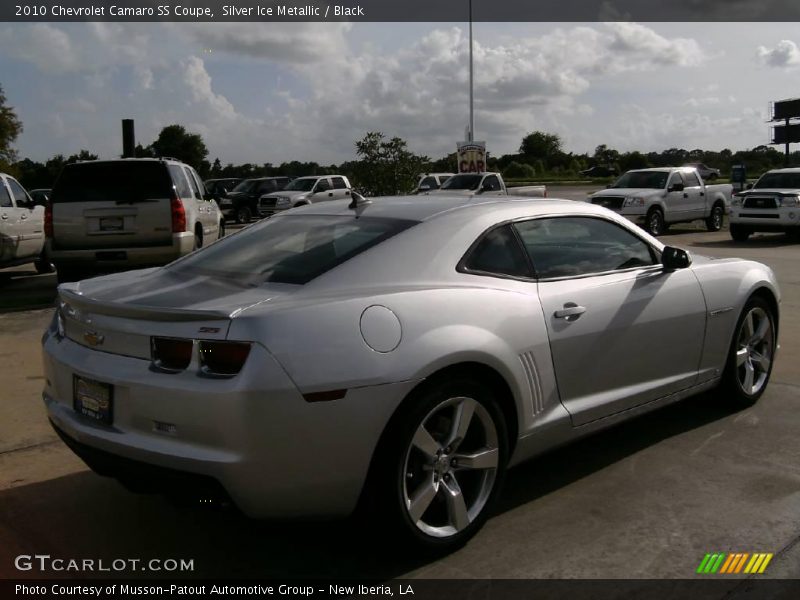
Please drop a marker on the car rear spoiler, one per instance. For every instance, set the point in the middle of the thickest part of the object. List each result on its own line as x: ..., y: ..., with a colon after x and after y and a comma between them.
x: 149, y: 313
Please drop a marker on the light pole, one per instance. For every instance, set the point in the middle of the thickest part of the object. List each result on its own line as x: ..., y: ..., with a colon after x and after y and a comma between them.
x: 471, y: 137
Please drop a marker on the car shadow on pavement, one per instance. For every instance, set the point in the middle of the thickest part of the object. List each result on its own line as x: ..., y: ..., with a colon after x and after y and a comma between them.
x: 595, y: 452
x: 25, y: 289
x: 88, y: 516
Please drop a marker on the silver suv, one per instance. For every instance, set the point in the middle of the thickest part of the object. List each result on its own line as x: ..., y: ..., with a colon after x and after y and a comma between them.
x: 127, y: 213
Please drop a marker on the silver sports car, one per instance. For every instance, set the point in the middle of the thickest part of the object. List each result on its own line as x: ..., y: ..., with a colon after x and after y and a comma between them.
x: 399, y: 350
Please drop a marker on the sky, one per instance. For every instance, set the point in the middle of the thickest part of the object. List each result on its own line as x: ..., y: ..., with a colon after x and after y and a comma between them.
x: 274, y: 92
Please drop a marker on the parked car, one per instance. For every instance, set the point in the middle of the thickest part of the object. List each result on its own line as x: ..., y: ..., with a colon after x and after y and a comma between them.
x: 305, y: 190
x: 21, y: 227
x: 600, y: 171
x: 125, y: 213
x: 486, y: 184
x: 772, y: 204
x: 40, y: 196
x: 706, y: 173
x: 430, y: 181
x: 407, y: 350
x: 656, y: 198
x: 220, y: 187
x: 242, y: 202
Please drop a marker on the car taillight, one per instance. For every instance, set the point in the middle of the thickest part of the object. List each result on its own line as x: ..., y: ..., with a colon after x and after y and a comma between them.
x: 171, y: 354
x: 178, y: 216
x: 223, y: 358
x: 48, y: 220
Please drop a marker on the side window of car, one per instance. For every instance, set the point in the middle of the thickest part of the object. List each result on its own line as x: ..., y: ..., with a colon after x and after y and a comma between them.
x: 20, y: 195
x: 322, y: 185
x: 180, y: 181
x: 5, y: 196
x: 491, y: 183
x: 690, y: 179
x: 499, y: 253
x: 198, y: 182
x: 195, y: 191
x: 673, y: 179
x: 338, y: 183
x: 575, y: 246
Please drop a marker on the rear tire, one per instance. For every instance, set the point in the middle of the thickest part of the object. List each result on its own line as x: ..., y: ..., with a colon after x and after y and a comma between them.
x: 43, y: 264
x: 751, y: 354
x: 740, y: 233
x: 654, y: 223
x: 243, y: 215
x: 716, y: 218
x: 440, y: 465
x: 198, y: 237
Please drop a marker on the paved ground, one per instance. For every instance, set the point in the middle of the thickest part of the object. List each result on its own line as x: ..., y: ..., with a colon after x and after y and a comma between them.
x: 646, y: 499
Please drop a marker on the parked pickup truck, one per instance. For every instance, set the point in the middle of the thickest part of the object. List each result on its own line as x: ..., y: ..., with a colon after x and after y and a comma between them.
x: 305, y: 190
x: 772, y: 204
x: 656, y: 198
x: 486, y: 184
x: 21, y: 227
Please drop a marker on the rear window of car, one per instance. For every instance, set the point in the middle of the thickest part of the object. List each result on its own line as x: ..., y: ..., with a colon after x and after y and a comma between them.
x: 112, y: 181
x: 290, y: 248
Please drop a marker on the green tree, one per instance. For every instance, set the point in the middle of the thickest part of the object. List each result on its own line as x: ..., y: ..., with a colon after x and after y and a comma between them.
x: 176, y: 142
x: 10, y: 128
x: 386, y: 166
x: 541, y: 146
x: 519, y: 171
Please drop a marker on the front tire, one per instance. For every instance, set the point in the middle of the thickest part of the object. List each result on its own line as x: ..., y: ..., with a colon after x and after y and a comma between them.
x: 654, y: 223
x: 751, y: 354
x: 739, y: 233
x: 443, y: 465
x: 714, y: 220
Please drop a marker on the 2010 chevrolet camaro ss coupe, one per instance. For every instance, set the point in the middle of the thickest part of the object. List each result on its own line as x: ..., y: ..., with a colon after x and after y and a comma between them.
x: 408, y: 349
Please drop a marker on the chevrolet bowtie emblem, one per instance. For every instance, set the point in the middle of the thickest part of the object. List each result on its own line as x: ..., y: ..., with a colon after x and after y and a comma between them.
x: 93, y: 338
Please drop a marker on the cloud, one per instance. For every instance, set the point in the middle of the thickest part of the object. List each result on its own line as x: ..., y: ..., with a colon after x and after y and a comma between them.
x: 785, y: 55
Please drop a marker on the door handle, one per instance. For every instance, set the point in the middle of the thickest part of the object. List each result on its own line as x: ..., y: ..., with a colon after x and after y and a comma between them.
x: 570, y: 312
x: 23, y: 216
x: 685, y: 195
x: 4, y: 217
x: 702, y: 193
x: 330, y: 194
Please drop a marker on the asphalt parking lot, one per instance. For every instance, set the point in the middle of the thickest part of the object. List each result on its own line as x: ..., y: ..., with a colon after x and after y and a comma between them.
x: 647, y: 499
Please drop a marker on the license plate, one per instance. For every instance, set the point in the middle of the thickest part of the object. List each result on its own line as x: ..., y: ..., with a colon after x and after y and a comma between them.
x: 93, y: 399
x: 111, y: 224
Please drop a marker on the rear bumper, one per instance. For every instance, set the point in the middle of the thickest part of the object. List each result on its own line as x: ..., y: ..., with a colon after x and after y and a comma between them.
x: 273, y: 453
x: 182, y: 244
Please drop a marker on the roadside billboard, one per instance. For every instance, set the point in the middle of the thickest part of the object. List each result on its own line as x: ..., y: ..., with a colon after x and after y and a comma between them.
x: 471, y: 157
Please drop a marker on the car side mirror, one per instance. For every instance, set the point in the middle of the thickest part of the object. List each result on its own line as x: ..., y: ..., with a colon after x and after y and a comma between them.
x: 424, y: 188
x: 675, y: 258
x: 676, y: 187
x: 749, y: 186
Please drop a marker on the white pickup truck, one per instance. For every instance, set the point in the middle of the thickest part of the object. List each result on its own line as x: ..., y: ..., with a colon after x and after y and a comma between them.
x: 656, y: 198
x: 772, y: 204
x: 21, y: 227
x: 486, y: 184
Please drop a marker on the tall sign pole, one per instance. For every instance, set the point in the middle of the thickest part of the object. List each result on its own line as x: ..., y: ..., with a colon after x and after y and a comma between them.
x: 471, y: 137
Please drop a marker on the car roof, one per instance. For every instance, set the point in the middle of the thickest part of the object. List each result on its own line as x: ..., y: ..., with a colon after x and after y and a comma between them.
x: 662, y: 169
x: 423, y: 208
x: 785, y: 170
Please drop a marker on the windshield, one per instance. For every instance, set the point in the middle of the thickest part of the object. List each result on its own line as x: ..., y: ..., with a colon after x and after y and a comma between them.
x: 656, y: 180
x: 779, y: 181
x: 246, y: 186
x: 300, y: 185
x: 465, y: 181
x: 289, y: 248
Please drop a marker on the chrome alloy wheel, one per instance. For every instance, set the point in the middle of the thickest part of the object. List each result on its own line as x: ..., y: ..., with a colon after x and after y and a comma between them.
x: 755, y: 346
x: 450, y: 467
